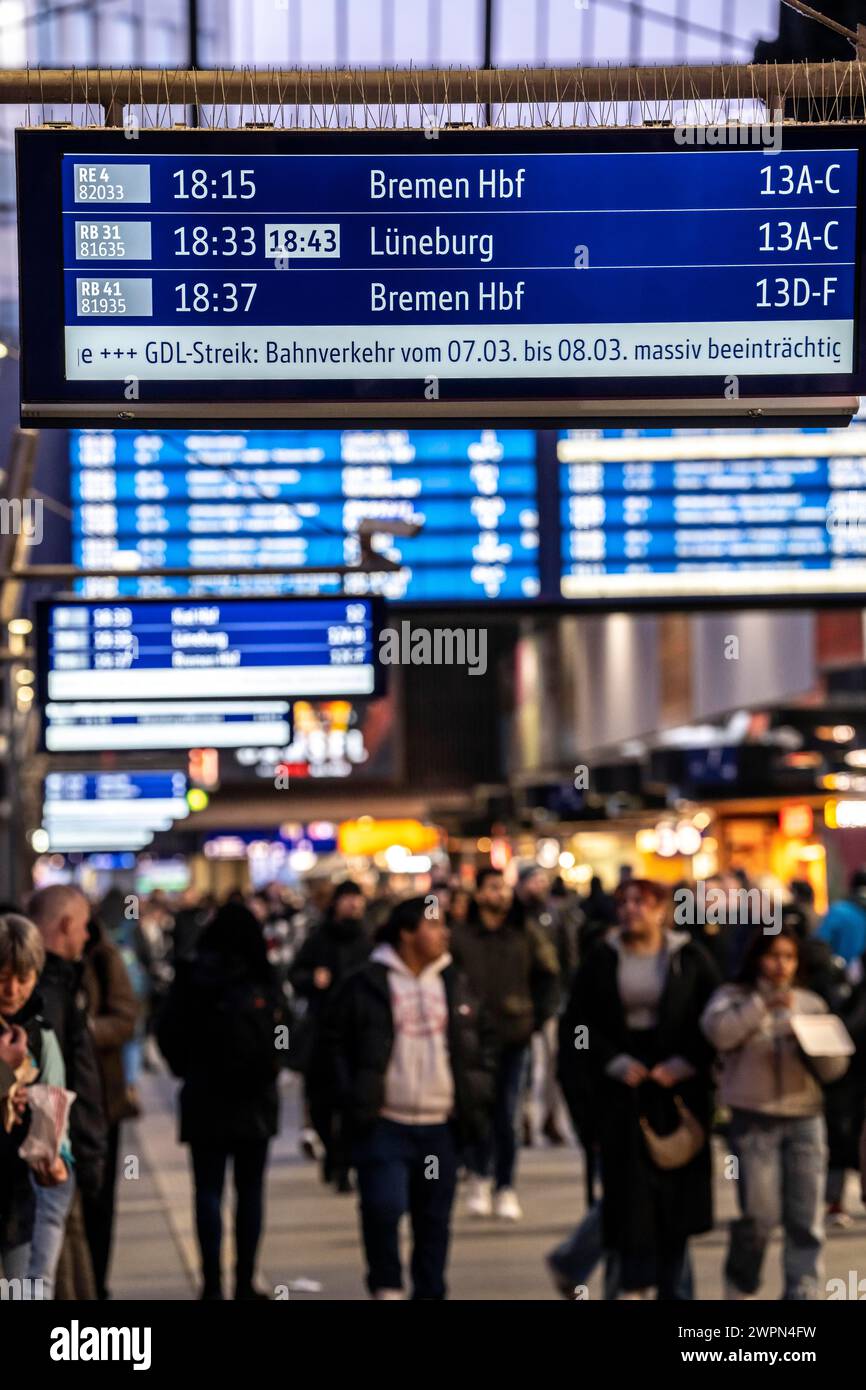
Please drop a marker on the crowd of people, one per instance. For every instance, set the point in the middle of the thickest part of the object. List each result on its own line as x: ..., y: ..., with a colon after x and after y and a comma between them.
x: 434, y: 1035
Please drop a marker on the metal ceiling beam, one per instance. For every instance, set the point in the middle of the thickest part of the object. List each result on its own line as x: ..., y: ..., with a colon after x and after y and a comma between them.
x: 772, y: 84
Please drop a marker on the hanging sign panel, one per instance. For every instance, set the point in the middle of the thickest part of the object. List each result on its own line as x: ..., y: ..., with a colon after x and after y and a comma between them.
x: 509, y: 275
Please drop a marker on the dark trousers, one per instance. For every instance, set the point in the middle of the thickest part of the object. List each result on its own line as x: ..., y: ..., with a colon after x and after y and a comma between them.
x: 499, y: 1149
x: 98, y: 1210
x: 209, y: 1170
x: 407, y: 1168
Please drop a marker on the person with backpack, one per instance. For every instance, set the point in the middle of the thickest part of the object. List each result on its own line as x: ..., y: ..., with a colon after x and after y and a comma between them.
x: 414, y: 1063
x: 844, y: 927
x: 777, y: 1131
x: 220, y: 1033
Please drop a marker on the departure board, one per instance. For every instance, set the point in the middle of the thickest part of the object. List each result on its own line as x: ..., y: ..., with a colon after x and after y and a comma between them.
x: 297, y: 498
x: 243, y: 274
x: 150, y: 799
x: 231, y: 648
x: 689, y: 514
x: 138, y: 726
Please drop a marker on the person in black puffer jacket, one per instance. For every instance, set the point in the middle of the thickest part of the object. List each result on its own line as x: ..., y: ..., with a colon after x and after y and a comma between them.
x: 414, y: 1063
x: 339, y: 945
x: 220, y: 1032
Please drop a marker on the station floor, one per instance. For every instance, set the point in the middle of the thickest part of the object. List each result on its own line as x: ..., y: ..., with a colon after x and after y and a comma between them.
x: 311, y: 1245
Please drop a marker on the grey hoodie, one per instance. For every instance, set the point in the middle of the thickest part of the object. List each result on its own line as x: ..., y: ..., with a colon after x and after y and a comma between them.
x: 419, y: 1084
x: 762, y: 1065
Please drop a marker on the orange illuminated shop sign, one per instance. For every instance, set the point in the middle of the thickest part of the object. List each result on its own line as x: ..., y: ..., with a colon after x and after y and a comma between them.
x: 368, y: 836
x: 796, y: 821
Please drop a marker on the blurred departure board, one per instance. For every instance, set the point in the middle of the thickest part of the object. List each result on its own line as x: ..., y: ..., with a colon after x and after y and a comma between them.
x: 296, y: 498
x: 697, y: 513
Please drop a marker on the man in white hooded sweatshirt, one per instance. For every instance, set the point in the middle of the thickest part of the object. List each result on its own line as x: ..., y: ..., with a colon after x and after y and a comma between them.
x: 414, y: 1064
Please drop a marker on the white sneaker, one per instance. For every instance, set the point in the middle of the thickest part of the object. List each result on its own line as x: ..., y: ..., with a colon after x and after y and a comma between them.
x: 310, y: 1145
x: 479, y: 1201
x: 506, y: 1205
x: 389, y: 1295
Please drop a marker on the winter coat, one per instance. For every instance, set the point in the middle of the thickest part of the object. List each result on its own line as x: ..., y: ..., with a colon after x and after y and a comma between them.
x: 763, y: 1067
x: 644, y: 1207
x: 218, y: 1032
x: 64, y: 1009
x: 340, y: 947
x: 512, y: 971
x: 336, y: 946
x: 358, y: 1039
x: 113, y: 1010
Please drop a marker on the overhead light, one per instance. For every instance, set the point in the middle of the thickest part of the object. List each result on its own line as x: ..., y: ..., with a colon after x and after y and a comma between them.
x: 835, y: 733
x: 856, y: 758
x: 25, y: 677
x: 688, y: 839
x: 20, y: 627
x: 646, y: 841
x: 845, y: 815
x: 302, y: 860
x: 547, y: 853
x: 39, y: 841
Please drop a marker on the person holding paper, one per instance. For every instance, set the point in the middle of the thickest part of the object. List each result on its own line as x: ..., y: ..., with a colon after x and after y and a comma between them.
x: 779, y: 1044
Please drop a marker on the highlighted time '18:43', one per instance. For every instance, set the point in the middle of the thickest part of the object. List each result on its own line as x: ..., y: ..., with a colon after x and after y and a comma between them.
x: 229, y: 297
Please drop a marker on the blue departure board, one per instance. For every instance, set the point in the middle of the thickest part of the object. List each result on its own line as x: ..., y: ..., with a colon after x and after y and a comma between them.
x: 707, y: 514
x: 253, y: 272
x: 227, y: 648
x: 297, y: 498
x: 63, y: 788
x: 148, y: 799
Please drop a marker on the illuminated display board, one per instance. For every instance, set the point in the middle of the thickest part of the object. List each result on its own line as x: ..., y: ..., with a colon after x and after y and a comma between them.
x: 297, y: 498
x: 494, y: 276
x: 230, y: 649
x: 688, y: 514
x: 146, y: 798
x: 151, y: 674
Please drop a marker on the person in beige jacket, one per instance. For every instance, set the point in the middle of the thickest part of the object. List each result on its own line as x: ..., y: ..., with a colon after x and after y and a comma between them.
x: 777, y: 1133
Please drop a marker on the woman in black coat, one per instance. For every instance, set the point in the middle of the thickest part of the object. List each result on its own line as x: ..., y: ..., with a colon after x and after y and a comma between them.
x: 221, y: 1033
x: 633, y: 1043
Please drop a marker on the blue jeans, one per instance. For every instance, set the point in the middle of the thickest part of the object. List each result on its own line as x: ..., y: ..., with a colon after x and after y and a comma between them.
x: 782, y: 1173
x: 406, y: 1168
x: 498, y: 1151
x: 52, y: 1209
x: 132, y: 1054
x: 14, y: 1263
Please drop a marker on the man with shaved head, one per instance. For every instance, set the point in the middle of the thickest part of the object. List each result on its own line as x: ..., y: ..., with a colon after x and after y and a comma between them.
x: 62, y: 914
